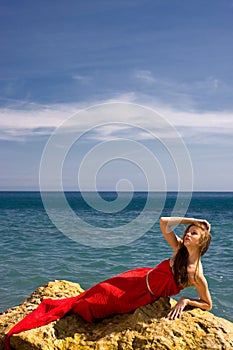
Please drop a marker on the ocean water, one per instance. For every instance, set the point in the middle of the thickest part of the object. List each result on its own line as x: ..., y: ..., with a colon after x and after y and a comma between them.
x: 34, y: 251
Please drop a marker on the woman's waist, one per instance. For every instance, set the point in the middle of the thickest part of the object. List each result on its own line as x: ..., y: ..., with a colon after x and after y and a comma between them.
x: 161, y: 283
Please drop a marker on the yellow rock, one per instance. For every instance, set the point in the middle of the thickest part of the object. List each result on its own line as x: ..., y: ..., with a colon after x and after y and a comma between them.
x: 145, y: 328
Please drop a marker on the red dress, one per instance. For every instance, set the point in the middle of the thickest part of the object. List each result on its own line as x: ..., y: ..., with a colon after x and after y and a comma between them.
x: 118, y: 295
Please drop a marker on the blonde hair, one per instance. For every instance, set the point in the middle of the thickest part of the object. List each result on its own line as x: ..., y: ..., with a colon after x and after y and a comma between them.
x: 181, y: 258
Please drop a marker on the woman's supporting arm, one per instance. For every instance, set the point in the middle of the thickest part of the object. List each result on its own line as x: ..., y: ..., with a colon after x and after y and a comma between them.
x: 204, y: 302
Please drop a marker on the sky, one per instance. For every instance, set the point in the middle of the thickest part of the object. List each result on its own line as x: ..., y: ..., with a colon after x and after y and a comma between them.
x: 62, y: 57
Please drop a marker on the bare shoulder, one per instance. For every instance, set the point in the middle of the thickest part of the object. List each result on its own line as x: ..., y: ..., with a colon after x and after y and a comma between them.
x: 195, y: 274
x: 197, y: 277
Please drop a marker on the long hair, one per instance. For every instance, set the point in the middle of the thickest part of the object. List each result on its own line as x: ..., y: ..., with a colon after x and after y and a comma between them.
x: 181, y: 257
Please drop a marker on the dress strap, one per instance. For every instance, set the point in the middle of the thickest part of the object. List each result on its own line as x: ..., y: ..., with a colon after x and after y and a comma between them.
x: 147, y: 282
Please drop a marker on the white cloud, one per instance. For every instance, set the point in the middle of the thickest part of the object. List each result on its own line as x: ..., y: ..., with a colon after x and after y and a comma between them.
x: 22, y: 123
x: 18, y: 124
x: 216, y: 83
x: 145, y: 76
x: 210, y: 82
x: 82, y: 78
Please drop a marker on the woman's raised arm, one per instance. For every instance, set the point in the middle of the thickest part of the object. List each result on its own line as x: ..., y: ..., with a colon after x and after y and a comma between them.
x: 167, y: 222
x: 166, y: 227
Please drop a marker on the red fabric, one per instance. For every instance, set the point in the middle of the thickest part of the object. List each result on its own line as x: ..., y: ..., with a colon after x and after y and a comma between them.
x: 117, y: 295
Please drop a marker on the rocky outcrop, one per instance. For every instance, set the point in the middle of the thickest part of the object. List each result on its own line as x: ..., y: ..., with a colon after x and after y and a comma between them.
x: 145, y: 328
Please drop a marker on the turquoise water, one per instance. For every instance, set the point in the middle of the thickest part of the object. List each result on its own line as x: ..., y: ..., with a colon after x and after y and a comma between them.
x: 34, y: 252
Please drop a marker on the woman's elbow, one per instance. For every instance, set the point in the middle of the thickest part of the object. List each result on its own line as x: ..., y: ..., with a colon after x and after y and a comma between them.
x: 208, y: 305
x: 163, y: 222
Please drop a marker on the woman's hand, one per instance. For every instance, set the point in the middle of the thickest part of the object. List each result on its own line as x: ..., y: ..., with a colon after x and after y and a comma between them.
x: 206, y: 223
x: 176, y: 311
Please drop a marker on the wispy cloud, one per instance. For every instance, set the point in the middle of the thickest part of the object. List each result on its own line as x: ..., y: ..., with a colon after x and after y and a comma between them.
x: 27, y: 122
x: 210, y: 82
x: 144, y: 75
x: 18, y: 124
x: 82, y: 78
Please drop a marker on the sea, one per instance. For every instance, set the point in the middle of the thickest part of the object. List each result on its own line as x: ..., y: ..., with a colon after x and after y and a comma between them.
x: 35, y: 249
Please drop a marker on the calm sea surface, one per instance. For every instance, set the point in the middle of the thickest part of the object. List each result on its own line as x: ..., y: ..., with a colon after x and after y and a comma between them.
x: 34, y: 251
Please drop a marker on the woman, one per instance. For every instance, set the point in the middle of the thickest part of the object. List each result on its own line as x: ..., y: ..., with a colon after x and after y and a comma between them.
x: 132, y: 289
x: 186, y: 263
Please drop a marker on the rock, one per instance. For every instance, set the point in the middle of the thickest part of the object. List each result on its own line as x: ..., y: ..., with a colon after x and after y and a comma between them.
x: 145, y: 328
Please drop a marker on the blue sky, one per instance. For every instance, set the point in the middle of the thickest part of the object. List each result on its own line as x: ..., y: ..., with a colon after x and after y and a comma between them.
x: 172, y: 56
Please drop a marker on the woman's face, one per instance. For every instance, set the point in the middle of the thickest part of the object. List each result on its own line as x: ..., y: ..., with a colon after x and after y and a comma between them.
x: 193, y: 236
